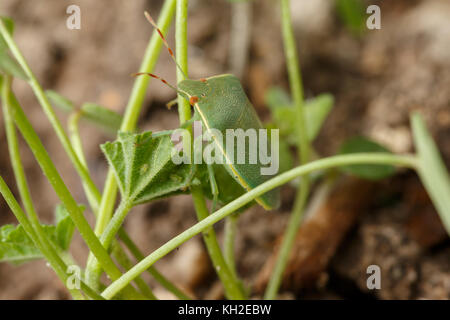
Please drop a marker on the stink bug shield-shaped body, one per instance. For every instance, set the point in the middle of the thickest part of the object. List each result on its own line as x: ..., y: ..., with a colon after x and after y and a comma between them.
x: 221, y: 103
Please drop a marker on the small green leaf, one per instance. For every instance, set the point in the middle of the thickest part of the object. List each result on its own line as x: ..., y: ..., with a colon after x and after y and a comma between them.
x: 9, y: 66
x: 316, y: 112
x: 284, y: 114
x: 352, y: 13
x: 276, y: 97
x: 59, y: 101
x: 104, y: 118
x: 64, y: 227
x: 108, y: 120
x: 432, y: 170
x: 9, y: 24
x: 370, y: 172
x: 17, y: 247
x: 144, y: 168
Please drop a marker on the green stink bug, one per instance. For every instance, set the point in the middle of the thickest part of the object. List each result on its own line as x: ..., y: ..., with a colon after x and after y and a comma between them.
x: 221, y: 104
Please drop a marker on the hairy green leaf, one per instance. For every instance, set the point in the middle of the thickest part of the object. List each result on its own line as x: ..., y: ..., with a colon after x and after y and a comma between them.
x: 64, y: 227
x: 370, y: 172
x: 16, y: 246
x: 144, y: 168
x: 432, y: 170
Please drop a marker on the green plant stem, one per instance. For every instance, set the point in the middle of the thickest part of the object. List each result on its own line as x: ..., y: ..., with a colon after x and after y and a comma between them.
x: 181, y: 50
x: 93, y: 195
x: 125, y: 262
x: 231, y: 286
x: 230, y: 283
x: 61, y: 190
x: 48, y: 110
x: 131, y: 246
x: 408, y: 161
x: 40, y: 239
x: 94, y: 201
x: 286, y: 245
x: 303, y: 148
x: 55, y: 261
x: 229, y: 239
x: 129, y: 122
x: 133, y: 110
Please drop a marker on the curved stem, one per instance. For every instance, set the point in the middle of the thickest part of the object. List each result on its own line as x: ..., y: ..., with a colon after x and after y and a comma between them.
x: 226, y: 276
x: 303, y: 148
x: 131, y: 246
x: 62, y: 191
x: 94, y: 268
x: 41, y: 239
x: 230, y: 283
x: 408, y: 161
x: 133, y: 110
x: 48, y: 110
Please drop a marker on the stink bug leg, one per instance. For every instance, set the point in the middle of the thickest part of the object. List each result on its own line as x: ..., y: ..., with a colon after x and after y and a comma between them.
x: 214, y: 188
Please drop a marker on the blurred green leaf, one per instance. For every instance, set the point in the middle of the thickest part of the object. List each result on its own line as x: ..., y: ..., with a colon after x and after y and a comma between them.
x: 144, y: 168
x: 432, y: 170
x: 9, y: 24
x: 60, y: 101
x: 284, y: 114
x: 9, y: 66
x: 102, y: 117
x: 370, y: 172
x: 353, y: 15
x: 317, y: 110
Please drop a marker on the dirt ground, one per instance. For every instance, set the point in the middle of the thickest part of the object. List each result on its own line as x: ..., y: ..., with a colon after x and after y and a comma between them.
x: 376, y: 80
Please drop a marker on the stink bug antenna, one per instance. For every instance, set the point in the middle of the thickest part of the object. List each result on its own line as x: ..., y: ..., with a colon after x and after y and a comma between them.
x: 160, y: 79
x: 152, y: 22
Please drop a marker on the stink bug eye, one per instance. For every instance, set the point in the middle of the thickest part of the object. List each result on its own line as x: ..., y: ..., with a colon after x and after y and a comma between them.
x: 193, y: 100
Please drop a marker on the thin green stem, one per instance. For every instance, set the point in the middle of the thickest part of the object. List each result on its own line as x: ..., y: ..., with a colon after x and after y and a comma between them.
x: 94, y: 268
x: 230, y: 283
x: 133, y: 110
x: 303, y: 148
x: 129, y: 122
x: 228, y: 244
x: 48, y: 110
x: 181, y: 49
x: 94, y: 201
x: 408, y: 161
x: 131, y: 246
x: 231, y: 286
x: 91, y: 194
x: 125, y: 262
x: 49, y: 169
x: 286, y: 245
x: 55, y: 261
x: 22, y: 184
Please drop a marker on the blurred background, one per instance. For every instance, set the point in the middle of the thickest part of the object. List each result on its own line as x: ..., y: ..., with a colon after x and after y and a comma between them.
x: 377, y: 77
